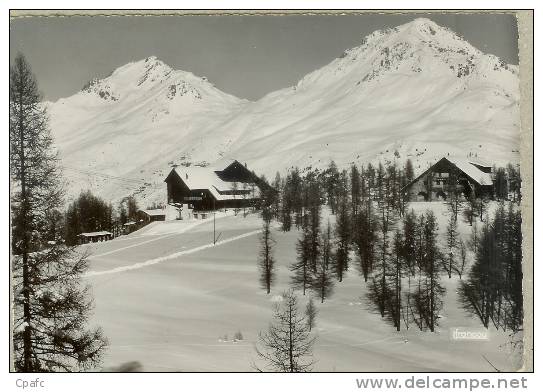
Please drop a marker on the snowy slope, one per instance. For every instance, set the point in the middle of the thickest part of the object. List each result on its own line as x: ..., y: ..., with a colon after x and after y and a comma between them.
x: 167, y: 297
x: 135, y: 120
x: 418, y: 89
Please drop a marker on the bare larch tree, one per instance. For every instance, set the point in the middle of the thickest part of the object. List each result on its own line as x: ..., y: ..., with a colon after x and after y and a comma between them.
x: 50, y: 306
x: 287, y: 345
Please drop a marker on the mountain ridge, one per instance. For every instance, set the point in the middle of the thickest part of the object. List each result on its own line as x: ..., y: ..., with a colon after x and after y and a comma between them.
x: 417, y: 90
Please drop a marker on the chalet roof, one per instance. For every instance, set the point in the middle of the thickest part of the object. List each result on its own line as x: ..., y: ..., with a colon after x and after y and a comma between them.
x: 95, y: 234
x: 467, y: 167
x: 156, y: 212
x: 473, y: 172
x: 480, y: 162
x: 197, y: 177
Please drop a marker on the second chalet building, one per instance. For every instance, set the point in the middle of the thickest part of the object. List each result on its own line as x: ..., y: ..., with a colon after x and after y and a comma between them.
x: 225, y: 185
x: 472, y: 178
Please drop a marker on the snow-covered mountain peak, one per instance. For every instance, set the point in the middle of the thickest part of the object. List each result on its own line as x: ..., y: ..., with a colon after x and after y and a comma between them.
x: 415, y: 91
x: 406, y: 50
x: 144, y: 72
x: 426, y: 28
x: 425, y: 32
x: 149, y: 78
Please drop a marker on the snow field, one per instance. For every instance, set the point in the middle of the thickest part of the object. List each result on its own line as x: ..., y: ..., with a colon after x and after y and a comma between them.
x: 170, y: 314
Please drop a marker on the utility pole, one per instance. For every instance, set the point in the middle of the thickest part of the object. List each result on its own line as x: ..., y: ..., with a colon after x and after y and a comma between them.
x: 215, y: 238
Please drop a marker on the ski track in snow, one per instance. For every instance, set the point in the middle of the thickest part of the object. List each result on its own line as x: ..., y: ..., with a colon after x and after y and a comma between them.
x: 157, y: 260
x: 146, y: 242
x: 130, y: 246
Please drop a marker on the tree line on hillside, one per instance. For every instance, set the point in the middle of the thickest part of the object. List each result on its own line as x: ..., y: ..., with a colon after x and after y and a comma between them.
x: 398, y: 253
x: 90, y: 213
x: 493, y: 288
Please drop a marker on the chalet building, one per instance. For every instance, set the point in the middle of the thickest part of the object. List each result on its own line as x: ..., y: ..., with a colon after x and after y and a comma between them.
x: 472, y: 177
x: 95, y: 236
x: 226, y: 185
x: 130, y: 227
x: 152, y: 215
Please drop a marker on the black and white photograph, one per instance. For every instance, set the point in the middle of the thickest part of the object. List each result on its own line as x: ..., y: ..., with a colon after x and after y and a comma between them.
x: 268, y: 192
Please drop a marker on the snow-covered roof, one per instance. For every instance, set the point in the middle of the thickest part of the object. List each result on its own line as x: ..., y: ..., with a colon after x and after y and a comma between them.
x: 472, y: 171
x: 95, y: 233
x: 480, y: 162
x: 248, y: 196
x: 466, y: 167
x: 196, y: 177
x: 156, y: 212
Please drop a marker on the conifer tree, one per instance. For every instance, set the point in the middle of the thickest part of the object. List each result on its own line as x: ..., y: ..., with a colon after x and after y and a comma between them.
x: 266, y: 260
x: 513, y: 318
x: 296, y: 193
x: 132, y: 207
x: 478, y: 293
x: 87, y: 213
x: 311, y: 314
x: 454, y: 195
x: 50, y: 305
x: 481, y: 207
x: 276, y: 201
x: 409, y: 239
x: 409, y: 171
x: 428, y: 298
x: 379, y: 290
x: 322, y: 282
x: 461, y: 266
x: 365, y: 227
x: 331, y: 177
x: 355, y: 190
x: 403, y: 195
x: 395, y: 305
x: 123, y: 214
x: 410, y: 261
x: 470, y: 209
x: 286, y: 204
x: 312, y: 215
x: 450, y: 262
x: 493, y: 288
x: 287, y: 345
x: 364, y: 242
x: 500, y: 184
x: 515, y: 181
x: 473, y: 242
x: 302, y: 278
x: 370, y: 179
x: 343, y: 240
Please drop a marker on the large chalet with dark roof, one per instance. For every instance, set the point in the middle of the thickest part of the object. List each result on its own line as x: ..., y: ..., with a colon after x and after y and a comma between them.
x: 225, y: 185
x: 471, y: 177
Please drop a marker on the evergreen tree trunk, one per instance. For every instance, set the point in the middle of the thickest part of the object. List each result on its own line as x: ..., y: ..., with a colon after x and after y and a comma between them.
x: 46, y: 278
x: 266, y: 259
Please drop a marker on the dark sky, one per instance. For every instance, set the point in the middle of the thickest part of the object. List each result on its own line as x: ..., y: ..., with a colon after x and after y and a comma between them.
x: 247, y: 56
